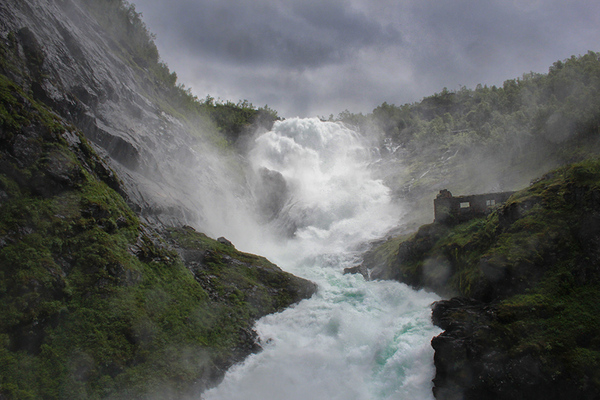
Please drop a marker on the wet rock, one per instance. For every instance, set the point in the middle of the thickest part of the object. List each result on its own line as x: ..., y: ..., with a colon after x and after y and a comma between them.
x: 272, y: 192
x: 84, y: 78
x: 26, y: 150
x: 358, y: 269
x: 32, y: 49
x: 473, y: 363
x: 466, y: 364
x: 226, y: 242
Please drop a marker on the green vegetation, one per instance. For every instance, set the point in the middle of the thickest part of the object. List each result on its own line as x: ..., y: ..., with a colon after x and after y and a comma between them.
x: 250, y: 280
x: 124, y: 24
x: 536, y: 260
x: 97, y: 305
x: 492, y: 138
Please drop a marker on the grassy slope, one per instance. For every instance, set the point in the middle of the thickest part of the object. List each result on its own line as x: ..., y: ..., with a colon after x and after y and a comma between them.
x: 96, y: 305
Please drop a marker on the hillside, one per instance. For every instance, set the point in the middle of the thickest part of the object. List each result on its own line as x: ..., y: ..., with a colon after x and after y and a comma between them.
x: 96, y: 303
x: 487, y: 139
x: 110, y: 169
x: 105, y: 292
x: 525, y: 324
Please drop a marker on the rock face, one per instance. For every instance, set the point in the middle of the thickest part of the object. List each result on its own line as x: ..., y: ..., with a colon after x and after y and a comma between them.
x: 90, y: 77
x: 268, y: 288
x: 264, y: 288
x: 472, y: 362
x: 273, y: 193
x: 101, y: 297
x: 460, y: 359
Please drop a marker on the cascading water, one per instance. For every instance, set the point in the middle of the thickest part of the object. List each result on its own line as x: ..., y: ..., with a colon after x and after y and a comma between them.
x: 354, y: 339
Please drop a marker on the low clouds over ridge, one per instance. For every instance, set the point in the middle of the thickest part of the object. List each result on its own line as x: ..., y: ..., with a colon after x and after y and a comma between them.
x: 309, y: 57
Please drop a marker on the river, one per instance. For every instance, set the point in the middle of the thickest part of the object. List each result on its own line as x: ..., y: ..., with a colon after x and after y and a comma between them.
x: 354, y: 339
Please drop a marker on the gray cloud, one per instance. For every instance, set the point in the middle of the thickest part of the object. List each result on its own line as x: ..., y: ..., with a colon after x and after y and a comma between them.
x: 289, y: 34
x: 309, y: 57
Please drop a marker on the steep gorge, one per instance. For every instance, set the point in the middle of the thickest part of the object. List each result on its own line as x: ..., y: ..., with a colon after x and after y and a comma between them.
x: 107, y: 163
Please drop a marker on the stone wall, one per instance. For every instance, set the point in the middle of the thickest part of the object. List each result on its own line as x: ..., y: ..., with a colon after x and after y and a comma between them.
x: 452, y: 209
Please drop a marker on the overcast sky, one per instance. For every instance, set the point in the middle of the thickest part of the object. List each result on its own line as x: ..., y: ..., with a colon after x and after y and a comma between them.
x: 318, y: 57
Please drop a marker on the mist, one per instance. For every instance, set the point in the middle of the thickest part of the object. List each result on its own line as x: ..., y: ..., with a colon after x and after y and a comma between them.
x: 122, y: 241
x: 319, y: 202
x: 306, y: 183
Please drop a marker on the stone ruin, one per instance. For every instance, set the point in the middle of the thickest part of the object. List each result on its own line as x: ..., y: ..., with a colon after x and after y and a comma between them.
x: 454, y: 209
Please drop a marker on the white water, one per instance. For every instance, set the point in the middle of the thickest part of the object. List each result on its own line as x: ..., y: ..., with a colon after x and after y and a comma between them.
x: 353, y: 339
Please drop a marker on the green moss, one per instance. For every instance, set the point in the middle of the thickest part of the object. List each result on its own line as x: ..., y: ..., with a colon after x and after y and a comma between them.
x: 384, y: 253
x: 95, y: 305
x: 535, y: 259
x: 558, y: 326
x: 241, y: 278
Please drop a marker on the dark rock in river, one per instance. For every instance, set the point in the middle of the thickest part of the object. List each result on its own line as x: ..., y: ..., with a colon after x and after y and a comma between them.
x: 473, y: 361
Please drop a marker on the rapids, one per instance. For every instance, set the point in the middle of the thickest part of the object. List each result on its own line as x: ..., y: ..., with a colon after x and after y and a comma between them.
x: 354, y: 339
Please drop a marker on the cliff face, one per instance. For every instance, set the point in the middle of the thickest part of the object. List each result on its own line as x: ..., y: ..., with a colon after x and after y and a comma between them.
x: 94, y: 76
x: 525, y: 322
x: 96, y: 302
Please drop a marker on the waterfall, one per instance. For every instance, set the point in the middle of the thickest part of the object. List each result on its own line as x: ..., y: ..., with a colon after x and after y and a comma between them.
x: 319, y: 204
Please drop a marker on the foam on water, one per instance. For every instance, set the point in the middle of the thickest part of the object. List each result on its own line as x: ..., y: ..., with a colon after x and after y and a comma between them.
x: 353, y: 339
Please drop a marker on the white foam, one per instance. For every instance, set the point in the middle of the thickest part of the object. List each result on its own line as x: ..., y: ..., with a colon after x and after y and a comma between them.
x: 353, y: 339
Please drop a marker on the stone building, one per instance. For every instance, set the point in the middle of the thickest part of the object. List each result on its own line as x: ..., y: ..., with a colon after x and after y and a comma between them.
x: 452, y: 209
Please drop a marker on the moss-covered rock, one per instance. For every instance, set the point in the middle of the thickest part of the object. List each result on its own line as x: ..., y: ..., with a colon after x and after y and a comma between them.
x: 532, y: 272
x: 96, y: 304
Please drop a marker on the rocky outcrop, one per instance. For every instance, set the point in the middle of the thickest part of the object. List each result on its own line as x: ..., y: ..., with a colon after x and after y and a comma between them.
x: 272, y: 192
x: 524, y: 284
x: 268, y: 288
x: 463, y: 362
x: 473, y: 361
x: 97, y: 304
x: 264, y: 289
x: 60, y: 52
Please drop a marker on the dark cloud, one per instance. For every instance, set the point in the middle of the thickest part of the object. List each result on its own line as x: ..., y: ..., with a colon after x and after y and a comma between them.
x: 290, y: 34
x: 310, y: 57
x: 468, y: 42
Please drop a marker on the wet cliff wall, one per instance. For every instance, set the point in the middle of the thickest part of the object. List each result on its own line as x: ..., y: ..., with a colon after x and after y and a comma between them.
x: 95, y: 64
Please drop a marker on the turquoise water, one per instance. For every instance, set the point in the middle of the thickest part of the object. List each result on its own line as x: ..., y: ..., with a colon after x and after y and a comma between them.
x: 353, y: 340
